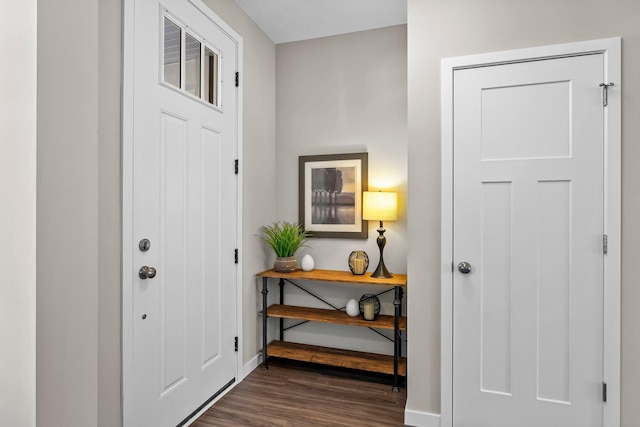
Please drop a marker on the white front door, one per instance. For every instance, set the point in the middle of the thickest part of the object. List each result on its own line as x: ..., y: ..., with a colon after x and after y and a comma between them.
x: 179, y: 325
x: 528, y: 217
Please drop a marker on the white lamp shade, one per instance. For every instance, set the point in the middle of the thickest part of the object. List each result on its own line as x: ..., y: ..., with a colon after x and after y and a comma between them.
x: 380, y: 205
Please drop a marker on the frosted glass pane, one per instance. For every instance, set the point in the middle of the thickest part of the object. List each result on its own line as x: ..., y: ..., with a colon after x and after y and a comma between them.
x: 192, y: 66
x: 210, y: 93
x: 171, y: 53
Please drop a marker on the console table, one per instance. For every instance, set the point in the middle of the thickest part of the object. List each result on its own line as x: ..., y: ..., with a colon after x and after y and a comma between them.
x: 394, y: 365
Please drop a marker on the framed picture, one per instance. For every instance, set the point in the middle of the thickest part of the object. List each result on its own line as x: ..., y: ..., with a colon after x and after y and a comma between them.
x: 330, y: 195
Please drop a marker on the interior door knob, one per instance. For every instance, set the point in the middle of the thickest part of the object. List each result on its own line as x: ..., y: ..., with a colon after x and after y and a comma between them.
x: 464, y: 267
x: 147, y: 272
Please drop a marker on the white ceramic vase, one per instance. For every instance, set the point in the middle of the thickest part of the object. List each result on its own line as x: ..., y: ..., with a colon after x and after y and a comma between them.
x: 353, y: 308
x: 307, y: 263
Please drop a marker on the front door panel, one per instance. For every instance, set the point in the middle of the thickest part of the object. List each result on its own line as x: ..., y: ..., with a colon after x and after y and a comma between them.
x: 185, y: 204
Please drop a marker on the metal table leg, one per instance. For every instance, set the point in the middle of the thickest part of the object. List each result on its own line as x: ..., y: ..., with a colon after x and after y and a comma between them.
x: 281, y: 284
x: 399, y: 331
x: 397, y: 342
x: 265, y: 291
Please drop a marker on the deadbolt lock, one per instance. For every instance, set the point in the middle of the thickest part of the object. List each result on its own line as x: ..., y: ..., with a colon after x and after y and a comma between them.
x: 144, y: 245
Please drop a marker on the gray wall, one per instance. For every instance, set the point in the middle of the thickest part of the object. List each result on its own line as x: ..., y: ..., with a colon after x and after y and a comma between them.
x: 79, y: 228
x: 441, y: 28
x: 67, y: 213
x: 79, y: 192
x: 109, y: 212
x: 18, y: 213
x: 258, y: 158
x: 345, y: 94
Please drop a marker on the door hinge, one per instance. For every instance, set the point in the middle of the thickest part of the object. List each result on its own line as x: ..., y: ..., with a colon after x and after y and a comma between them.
x: 604, y: 391
x: 235, y: 255
x: 605, y: 243
x: 235, y: 344
x: 236, y: 166
x: 237, y: 79
x: 605, y: 93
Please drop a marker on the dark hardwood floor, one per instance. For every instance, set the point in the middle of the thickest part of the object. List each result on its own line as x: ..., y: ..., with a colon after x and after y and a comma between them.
x: 297, y: 395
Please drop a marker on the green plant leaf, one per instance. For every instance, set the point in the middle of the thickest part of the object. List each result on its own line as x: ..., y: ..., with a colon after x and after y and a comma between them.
x: 285, y: 238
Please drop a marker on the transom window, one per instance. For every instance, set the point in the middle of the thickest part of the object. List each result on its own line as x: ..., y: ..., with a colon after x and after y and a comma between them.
x: 189, y: 64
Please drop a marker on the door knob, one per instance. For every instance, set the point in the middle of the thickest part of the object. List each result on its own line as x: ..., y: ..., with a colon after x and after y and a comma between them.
x: 147, y: 272
x: 464, y: 267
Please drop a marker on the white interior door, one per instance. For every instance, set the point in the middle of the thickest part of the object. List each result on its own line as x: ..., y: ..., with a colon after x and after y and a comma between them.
x: 528, y: 209
x: 182, y: 322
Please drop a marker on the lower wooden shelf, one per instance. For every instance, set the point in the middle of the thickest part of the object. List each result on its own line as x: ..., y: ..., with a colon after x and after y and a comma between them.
x: 333, y: 316
x: 370, y: 362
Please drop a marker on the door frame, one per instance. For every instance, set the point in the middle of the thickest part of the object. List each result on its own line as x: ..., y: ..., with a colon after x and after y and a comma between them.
x: 611, y: 48
x: 128, y: 409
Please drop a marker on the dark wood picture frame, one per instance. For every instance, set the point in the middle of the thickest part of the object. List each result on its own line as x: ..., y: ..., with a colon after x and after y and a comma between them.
x: 330, y: 194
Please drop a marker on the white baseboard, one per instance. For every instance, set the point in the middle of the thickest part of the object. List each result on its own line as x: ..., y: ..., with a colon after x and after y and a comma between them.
x: 250, y: 366
x: 421, y: 419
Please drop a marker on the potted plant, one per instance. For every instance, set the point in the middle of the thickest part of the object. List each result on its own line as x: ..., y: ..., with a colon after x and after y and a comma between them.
x: 285, y: 238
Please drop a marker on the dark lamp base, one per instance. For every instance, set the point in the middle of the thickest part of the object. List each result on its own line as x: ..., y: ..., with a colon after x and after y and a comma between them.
x: 381, y: 270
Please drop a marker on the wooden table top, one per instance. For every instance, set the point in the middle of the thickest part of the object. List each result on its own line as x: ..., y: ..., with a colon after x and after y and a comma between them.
x: 337, y: 276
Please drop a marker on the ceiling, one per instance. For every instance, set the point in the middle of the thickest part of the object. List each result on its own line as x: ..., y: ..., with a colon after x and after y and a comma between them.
x: 292, y: 20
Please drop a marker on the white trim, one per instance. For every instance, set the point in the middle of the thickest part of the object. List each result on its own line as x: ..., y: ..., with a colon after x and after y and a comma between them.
x: 421, y: 419
x: 446, y: 247
x: 128, y: 410
x: 251, y: 365
x: 240, y: 200
x: 612, y: 227
x: 128, y: 56
x: 611, y: 48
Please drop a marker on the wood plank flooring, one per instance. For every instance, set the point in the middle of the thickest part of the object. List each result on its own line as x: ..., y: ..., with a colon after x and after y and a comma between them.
x: 288, y: 395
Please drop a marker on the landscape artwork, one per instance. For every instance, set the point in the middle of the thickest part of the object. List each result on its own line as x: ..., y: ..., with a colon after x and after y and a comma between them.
x: 331, y: 189
x: 333, y: 195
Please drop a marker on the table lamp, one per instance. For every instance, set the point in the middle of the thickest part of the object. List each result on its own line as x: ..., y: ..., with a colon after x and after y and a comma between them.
x: 380, y: 206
